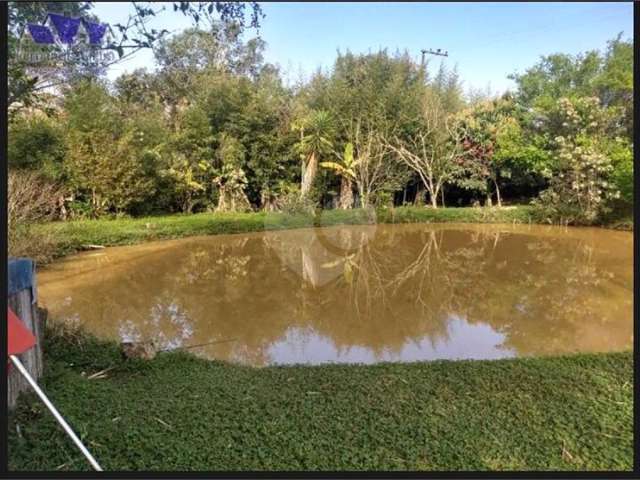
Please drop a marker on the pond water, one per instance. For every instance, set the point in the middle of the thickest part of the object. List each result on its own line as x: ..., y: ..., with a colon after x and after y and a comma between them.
x: 360, y: 294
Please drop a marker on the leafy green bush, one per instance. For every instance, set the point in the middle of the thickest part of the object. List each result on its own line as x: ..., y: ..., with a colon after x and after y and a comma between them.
x: 112, y: 162
x: 383, y: 199
x: 36, y: 142
x: 292, y: 202
x: 622, y: 176
x: 79, y: 209
x: 580, y: 192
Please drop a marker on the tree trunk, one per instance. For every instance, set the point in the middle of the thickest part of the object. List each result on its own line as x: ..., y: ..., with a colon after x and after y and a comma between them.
x: 222, y: 200
x: 62, y: 208
x: 364, y: 198
x: 433, y: 196
x: 187, y: 205
x: 442, y: 196
x: 309, y: 174
x: 488, y: 202
x: 499, y: 200
x: 433, y: 193
x: 346, y: 193
x: 268, y: 201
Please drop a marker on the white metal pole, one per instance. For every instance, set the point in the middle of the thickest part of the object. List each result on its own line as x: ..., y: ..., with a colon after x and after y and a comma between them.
x: 16, y: 361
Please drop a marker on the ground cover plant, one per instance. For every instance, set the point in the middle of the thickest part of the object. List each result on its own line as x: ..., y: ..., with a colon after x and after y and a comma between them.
x: 177, y: 412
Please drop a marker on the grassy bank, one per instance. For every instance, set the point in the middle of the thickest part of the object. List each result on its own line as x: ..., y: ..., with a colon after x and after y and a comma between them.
x: 69, y: 237
x: 181, y: 413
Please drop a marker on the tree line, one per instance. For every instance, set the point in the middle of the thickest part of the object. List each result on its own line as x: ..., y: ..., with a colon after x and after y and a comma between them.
x: 216, y: 128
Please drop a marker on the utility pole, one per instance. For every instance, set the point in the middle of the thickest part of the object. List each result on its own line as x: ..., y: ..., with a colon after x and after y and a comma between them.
x: 437, y: 52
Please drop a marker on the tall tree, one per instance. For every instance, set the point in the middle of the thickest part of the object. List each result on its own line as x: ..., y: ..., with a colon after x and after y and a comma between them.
x: 608, y: 76
x: 448, y: 88
x: 191, y: 159
x: 371, y: 96
x: 432, y: 149
x: 316, y: 139
x: 479, y: 128
x: 376, y: 174
x: 112, y: 158
x: 614, y: 83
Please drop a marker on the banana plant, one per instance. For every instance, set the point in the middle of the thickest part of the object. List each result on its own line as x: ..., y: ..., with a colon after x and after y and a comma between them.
x: 346, y: 169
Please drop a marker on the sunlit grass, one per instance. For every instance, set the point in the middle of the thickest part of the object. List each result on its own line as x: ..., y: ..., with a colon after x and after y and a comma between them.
x: 75, y: 235
x: 178, y: 412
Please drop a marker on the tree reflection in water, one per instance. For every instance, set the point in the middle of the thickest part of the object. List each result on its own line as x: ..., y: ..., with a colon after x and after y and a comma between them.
x: 359, y: 293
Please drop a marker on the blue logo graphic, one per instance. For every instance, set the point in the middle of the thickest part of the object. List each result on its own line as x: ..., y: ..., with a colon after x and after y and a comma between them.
x: 66, y: 30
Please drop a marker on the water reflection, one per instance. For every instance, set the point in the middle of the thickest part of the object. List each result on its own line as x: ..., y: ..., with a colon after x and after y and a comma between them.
x: 358, y: 293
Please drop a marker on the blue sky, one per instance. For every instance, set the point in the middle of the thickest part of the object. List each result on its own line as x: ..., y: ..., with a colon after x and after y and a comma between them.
x: 487, y: 41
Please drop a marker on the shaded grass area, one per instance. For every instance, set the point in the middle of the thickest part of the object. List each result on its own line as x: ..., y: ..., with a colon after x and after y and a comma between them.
x: 178, y: 412
x: 621, y: 223
x: 71, y: 236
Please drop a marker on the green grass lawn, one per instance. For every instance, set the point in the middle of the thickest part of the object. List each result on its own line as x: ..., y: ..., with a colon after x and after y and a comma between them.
x: 71, y: 236
x: 178, y: 412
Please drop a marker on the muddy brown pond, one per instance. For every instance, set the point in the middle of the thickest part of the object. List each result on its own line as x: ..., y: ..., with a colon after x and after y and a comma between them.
x: 360, y: 294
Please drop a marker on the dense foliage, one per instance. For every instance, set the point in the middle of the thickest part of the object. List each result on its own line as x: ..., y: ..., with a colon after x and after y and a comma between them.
x: 215, y: 128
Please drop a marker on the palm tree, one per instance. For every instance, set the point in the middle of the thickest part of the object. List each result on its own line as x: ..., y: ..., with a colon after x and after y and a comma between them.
x: 316, y: 132
x: 347, y: 173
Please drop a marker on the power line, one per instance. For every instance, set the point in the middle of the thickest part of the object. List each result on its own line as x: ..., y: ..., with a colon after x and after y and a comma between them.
x: 524, y: 34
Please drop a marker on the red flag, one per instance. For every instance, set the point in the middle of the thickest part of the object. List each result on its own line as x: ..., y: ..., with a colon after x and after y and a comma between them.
x: 20, y: 338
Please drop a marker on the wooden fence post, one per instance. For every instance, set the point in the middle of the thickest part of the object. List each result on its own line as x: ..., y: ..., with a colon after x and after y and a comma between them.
x: 22, y: 299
